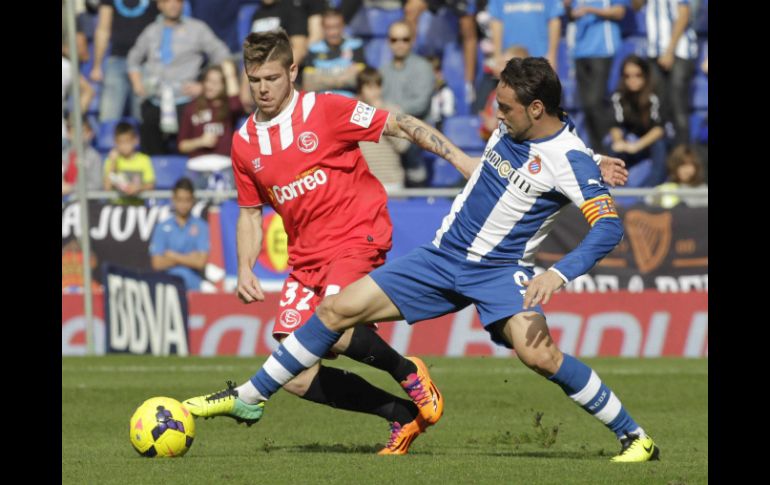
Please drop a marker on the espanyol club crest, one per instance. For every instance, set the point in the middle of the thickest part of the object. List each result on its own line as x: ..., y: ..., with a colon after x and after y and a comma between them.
x: 307, y: 142
x: 535, y: 165
x: 290, y: 318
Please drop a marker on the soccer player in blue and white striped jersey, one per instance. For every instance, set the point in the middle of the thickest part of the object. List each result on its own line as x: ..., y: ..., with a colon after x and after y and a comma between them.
x: 533, y: 166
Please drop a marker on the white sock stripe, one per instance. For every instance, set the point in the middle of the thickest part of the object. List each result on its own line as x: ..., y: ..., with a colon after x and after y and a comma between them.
x: 276, y: 371
x: 585, y: 395
x: 610, y: 411
x: 299, y: 352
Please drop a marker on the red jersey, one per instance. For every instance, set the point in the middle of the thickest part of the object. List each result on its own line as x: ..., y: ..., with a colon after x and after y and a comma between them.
x: 306, y: 164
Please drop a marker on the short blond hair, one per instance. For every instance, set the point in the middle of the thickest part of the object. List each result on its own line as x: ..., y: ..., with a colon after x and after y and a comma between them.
x: 262, y: 47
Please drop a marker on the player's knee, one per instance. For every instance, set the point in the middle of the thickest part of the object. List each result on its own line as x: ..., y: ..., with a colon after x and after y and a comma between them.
x: 336, y: 313
x: 545, y: 360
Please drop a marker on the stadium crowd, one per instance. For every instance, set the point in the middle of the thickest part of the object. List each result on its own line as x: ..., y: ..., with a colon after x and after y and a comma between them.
x: 169, y: 70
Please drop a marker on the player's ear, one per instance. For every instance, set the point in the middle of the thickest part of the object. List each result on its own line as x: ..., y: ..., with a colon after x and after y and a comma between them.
x: 293, y: 70
x: 536, y: 109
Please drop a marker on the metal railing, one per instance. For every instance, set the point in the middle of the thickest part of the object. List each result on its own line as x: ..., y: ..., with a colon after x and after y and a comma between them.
x: 220, y: 195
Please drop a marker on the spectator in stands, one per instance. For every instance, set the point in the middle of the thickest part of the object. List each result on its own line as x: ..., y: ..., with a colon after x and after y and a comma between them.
x: 163, y: 67
x: 127, y: 170
x: 442, y: 101
x: 333, y: 63
x: 180, y: 244
x: 672, y: 49
x: 208, y: 122
x: 488, y: 113
x: 638, y: 130
x: 120, y: 23
x: 684, y: 170
x: 465, y: 10
x: 597, y: 39
x: 383, y: 158
x: 91, y: 159
x: 407, y: 83
x: 86, y: 94
x: 535, y: 25
x: 294, y: 17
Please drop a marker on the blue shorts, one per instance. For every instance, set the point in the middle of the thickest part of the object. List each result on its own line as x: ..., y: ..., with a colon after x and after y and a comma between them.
x: 427, y: 283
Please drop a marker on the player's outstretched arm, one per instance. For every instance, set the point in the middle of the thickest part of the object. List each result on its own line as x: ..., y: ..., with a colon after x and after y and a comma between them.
x: 428, y: 138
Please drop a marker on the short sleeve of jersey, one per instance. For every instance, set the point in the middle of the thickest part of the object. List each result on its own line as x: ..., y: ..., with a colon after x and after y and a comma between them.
x: 158, y: 241
x: 555, y: 8
x: 581, y: 181
x: 352, y: 120
x: 248, y: 195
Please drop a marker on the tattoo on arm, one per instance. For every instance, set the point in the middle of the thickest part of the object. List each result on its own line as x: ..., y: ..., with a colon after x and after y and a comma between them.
x: 421, y: 136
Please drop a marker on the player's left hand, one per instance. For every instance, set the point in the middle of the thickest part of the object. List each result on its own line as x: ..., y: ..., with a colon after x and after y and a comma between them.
x: 541, y: 287
x: 613, y: 171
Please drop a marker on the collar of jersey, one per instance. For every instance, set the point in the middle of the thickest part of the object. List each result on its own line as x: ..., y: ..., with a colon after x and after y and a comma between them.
x: 549, y: 137
x: 282, y: 116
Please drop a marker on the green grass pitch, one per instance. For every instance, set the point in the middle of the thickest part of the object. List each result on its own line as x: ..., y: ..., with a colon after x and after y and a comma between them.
x: 502, y: 424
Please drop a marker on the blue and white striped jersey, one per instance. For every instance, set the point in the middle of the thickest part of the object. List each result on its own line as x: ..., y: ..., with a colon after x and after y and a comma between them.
x: 660, y: 17
x: 512, y: 198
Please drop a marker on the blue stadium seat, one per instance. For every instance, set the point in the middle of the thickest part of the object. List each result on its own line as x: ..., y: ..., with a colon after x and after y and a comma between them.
x: 463, y: 131
x: 569, y: 94
x: 699, y: 126
x: 244, y: 19
x: 377, y: 52
x: 436, y: 31
x: 453, y: 69
x: 168, y: 169
x: 700, y: 92
x: 105, y: 133
x: 444, y: 174
x: 634, y: 23
x: 373, y: 22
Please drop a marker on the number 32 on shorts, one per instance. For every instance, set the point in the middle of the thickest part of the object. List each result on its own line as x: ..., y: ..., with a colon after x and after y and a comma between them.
x: 291, y: 295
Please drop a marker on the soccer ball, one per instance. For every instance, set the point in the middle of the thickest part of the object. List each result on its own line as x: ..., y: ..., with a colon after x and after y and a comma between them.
x: 161, y: 426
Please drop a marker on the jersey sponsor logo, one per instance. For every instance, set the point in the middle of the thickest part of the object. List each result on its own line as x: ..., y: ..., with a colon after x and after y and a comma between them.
x: 535, y: 165
x: 290, y: 318
x: 363, y: 114
x: 506, y: 170
x: 257, y: 165
x: 307, y: 142
x: 305, y: 182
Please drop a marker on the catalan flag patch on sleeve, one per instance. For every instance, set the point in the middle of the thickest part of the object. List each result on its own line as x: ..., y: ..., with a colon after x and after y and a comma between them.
x: 598, y: 208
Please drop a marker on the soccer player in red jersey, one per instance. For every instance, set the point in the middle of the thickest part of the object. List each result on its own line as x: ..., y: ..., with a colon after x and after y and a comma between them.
x: 299, y: 154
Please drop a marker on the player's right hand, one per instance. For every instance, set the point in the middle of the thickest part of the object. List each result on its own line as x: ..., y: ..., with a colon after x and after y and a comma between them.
x: 249, y: 288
